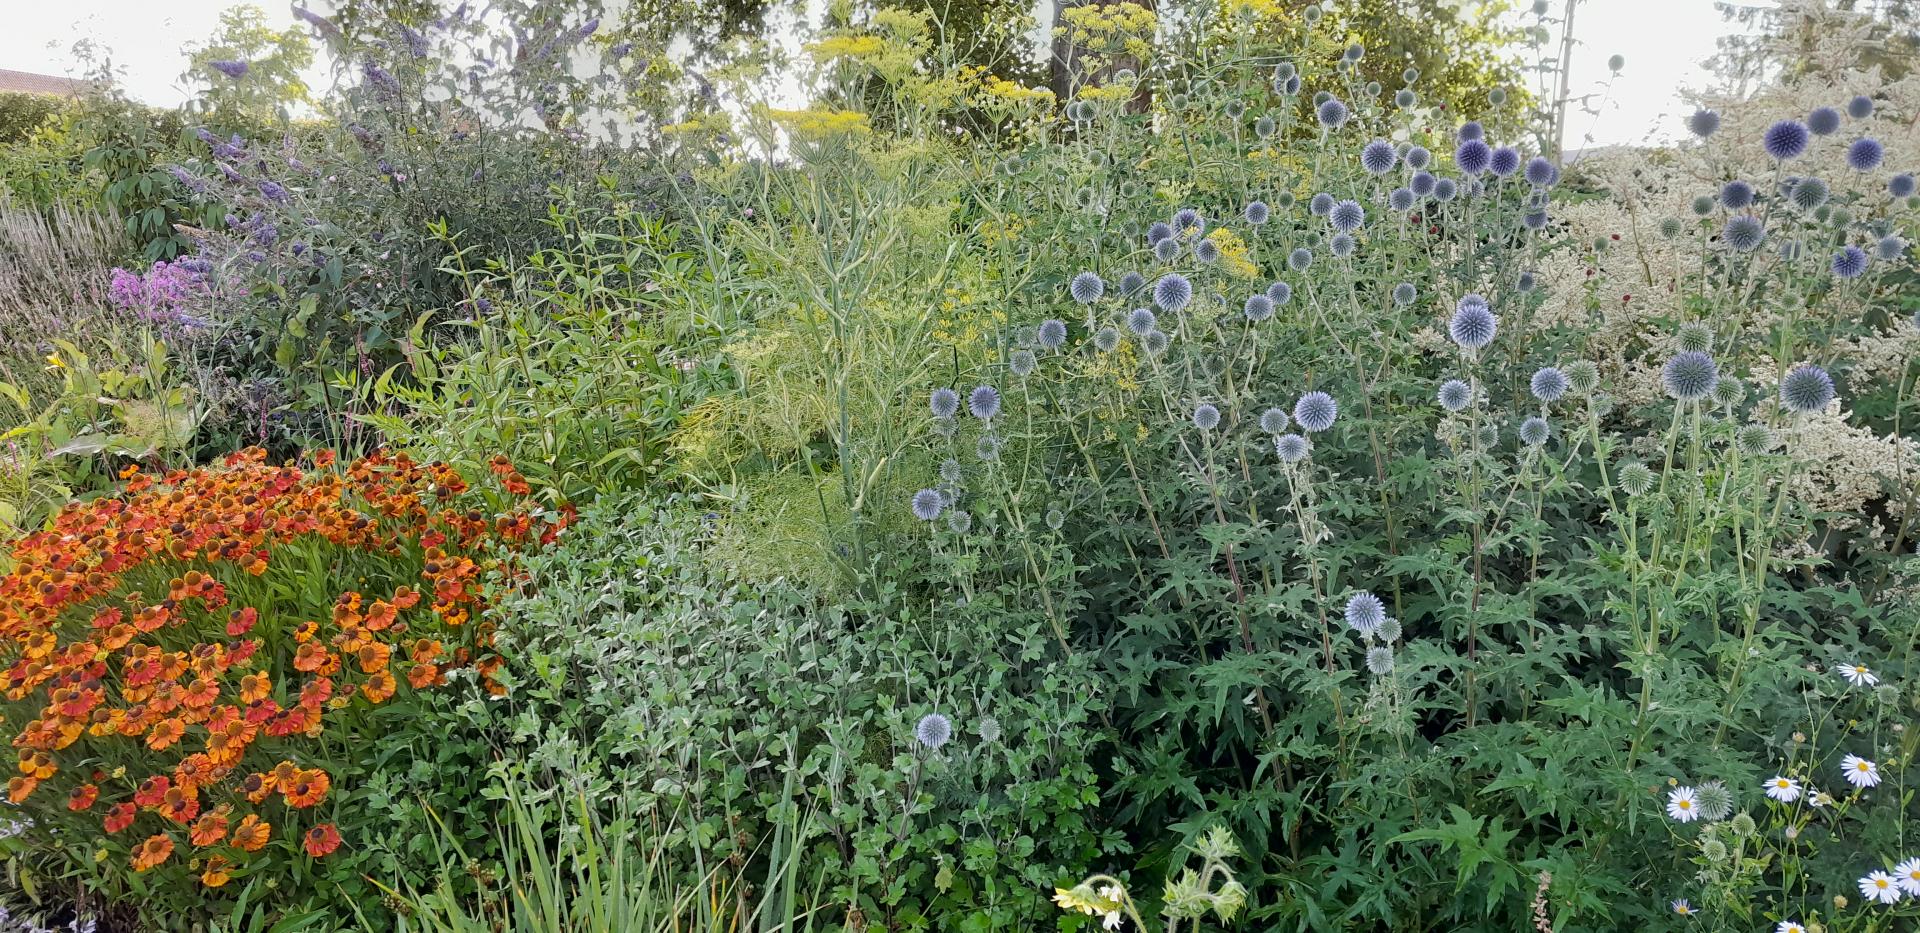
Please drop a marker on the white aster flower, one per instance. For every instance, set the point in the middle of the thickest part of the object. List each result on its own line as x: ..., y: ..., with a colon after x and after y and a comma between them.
x: 1856, y: 674
x: 1783, y: 788
x: 1879, y: 886
x: 1789, y: 926
x: 1683, y: 805
x: 1907, y: 876
x: 1860, y: 772
x: 1681, y: 907
x: 1821, y: 798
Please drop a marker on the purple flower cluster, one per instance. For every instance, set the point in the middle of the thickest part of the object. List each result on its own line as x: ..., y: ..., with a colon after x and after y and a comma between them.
x: 163, y: 296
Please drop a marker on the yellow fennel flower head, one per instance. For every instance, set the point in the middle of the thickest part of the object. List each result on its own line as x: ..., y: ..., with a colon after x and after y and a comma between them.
x: 846, y: 46
x: 1234, y: 256
x: 821, y: 124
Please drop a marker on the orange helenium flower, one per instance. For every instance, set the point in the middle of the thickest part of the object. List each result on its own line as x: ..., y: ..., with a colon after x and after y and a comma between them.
x: 152, y: 852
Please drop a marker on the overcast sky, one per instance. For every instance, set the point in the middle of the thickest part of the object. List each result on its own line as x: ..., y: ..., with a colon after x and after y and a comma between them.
x: 146, y: 36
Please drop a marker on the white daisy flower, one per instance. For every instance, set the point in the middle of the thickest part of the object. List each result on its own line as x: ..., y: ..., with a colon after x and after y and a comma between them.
x: 1907, y: 876
x: 1856, y: 674
x: 1879, y: 886
x: 1683, y: 805
x: 1681, y: 907
x: 1821, y: 798
x: 1860, y: 772
x: 1789, y: 926
x: 1783, y: 788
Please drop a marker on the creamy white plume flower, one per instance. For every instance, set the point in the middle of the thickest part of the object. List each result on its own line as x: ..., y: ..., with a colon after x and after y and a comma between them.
x: 1683, y: 804
x: 1879, y: 886
x: 1860, y: 772
x: 1856, y: 674
x: 1783, y: 788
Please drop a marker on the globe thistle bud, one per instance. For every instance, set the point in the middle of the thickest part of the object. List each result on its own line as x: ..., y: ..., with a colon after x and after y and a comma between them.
x: 1583, y: 376
x: 1155, y: 342
x: 1106, y: 339
x: 1694, y: 336
x: 1405, y: 98
x: 1259, y: 308
x: 1022, y: 363
x: 1131, y: 283
x: 1405, y: 293
x: 1489, y: 436
x: 1418, y: 158
x: 1823, y: 121
x: 944, y: 403
x: 1142, y: 322
x: 1716, y: 801
x: 1341, y: 246
x: 1809, y: 194
x: 1635, y: 479
x: 1548, y: 384
x: 1901, y: 185
x: 1274, y: 420
x: 933, y: 731
x: 1670, y: 227
x: 1167, y: 250
x: 1320, y: 205
x: 1736, y: 194
x: 1300, y: 259
x: 1206, y: 251
x: 1714, y: 850
x: 1315, y: 412
x: 1729, y: 392
x: 1470, y: 130
x: 1389, y: 631
x: 1283, y: 71
x: 1541, y: 172
x: 1292, y: 448
x: 987, y: 448
x: 1401, y: 199
x: 1497, y: 96
x: 1264, y: 127
x: 1525, y: 283
x: 1702, y: 206
x: 1534, y: 220
x: 1187, y: 222
x: 1890, y: 247
x: 1159, y: 231
x: 1534, y: 431
x: 1742, y: 825
x: 1690, y: 375
x: 1616, y: 62
x: 1379, y: 661
x: 1354, y: 52
x: 1806, y: 389
x: 1086, y: 288
x: 1865, y: 154
x: 1281, y: 293
x: 1172, y: 292
x: 1754, y: 439
x: 1455, y: 395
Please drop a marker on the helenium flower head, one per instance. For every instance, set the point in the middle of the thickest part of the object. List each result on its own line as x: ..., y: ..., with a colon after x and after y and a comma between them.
x: 1274, y: 420
x: 1332, y: 113
x: 1542, y: 172
x: 1300, y: 259
x: 1455, y: 395
x: 1347, y: 216
x: 945, y: 403
x: 1365, y: 612
x: 1280, y: 292
x: 1320, y: 205
x: 1850, y: 262
x: 1405, y: 293
x: 1378, y: 157
x: 1785, y: 140
x: 1259, y: 308
x: 1865, y: 154
x: 1315, y: 412
x: 1292, y: 448
x: 984, y: 402
x: 933, y: 731
x: 1206, y: 417
x: 1473, y: 325
x: 1418, y: 157
x: 1860, y: 107
x: 1703, y: 123
x: 1690, y: 375
x: 1256, y: 212
x: 1172, y: 292
x: 1473, y: 156
x: 1806, y: 389
x: 1548, y: 384
x: 1744, y: 233
x: 1086, y: 288
x: 928, y: 504
x: 1503, y: 161
x: 1736, y: 194
x: 1141, y: 321
x: 1823, y: 121
x: 1534, y: 431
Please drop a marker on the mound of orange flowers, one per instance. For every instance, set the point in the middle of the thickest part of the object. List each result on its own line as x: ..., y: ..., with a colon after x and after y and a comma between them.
x: 167, y: 662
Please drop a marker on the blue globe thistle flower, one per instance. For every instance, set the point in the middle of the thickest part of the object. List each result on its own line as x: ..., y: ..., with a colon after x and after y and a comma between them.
x: 1455, y: 395
x: 1341, y: 246
x: 1823, y: 121
x: 1378, y: 157
x: 1860, y: 107
x: 1141, y: 321
x: 1354, y: 52
x: 1132, y: 282
x: 1155, y: 341
x: 1404, y: 294
x: 1332, y: 113
x: 1890, y: 247
x: 1736, y: 194
x: 1291, y: 86
x: 1206, y: 417
x: 1534, y: 220
x: 1542, y: 172
x: 1274, y: 420
x: 1052, y: 333
x: 1379, y: 660
x: 1347, y: 216
x: 945, y: 403
x: 1186, y: 221
x: 1808, y: 193
x: 1901, y: 185
x: 231, y: 68
x: 1503, y: 161
x: 1206, y: 251
x: 1744, y: 234
x: 1405, y: 98
x: 1365, y: 613
x: 984, y: 402
x: 928, y: 504
x: 1850, y: 262
x: 1022, y: 363
x: 1159, y: 231
x: 1256, y: 212
x: 933, y: 731
x: 1283, y: 71
x: 1172, y: 292
x: 959, y: 521
x: 1300, y: 259
x: 1265, y: 127
x: 1315, y: 412
x: 1525, y: 283
x: 1086, y: 288
x: 1281, y: 293
x: 1785, y: 140
x: 1534, y: 431
x: 950, y: 472
x: 1106, y: 339
x: 1865, y: 154
x: 1470, y: 130
x: 1806, y: 389
x: 1418, y: 158
x: 1292, y: 448
x: 1473, y: 156
x: 1259, y: 308
x: 1401, y: 199
x: 1445, y: 189
x: 1548, y: 384
x: 1320, y: 205
x: 1690, y: 375
x: 1473, y: 324
x: 1422, y: 183
x: 1703, y: 123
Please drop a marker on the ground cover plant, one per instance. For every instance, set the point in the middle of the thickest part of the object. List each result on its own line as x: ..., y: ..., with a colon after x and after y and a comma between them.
x: 1249, y: 478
